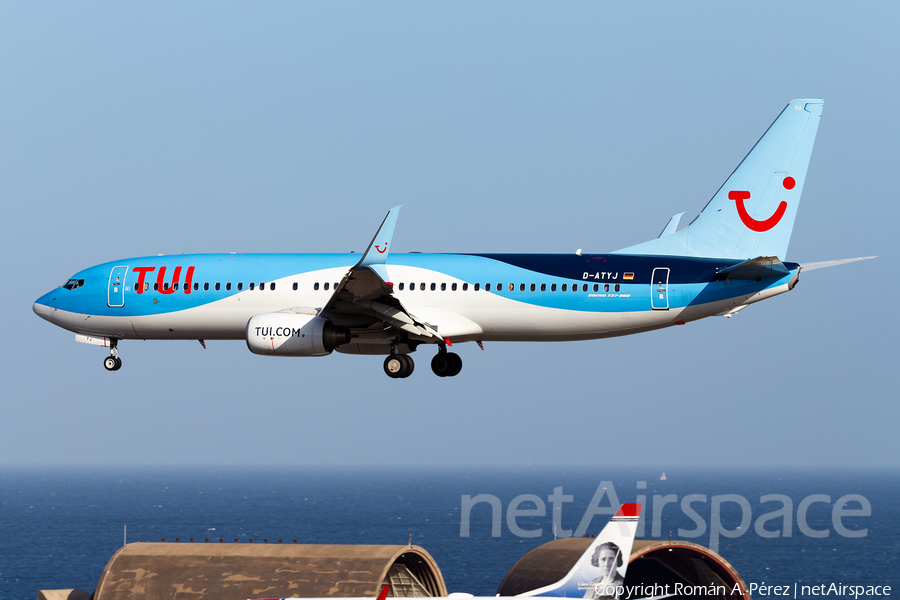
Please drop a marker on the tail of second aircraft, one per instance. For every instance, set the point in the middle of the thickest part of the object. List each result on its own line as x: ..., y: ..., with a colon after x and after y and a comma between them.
x: 753, y: 213
x: 600, y: 572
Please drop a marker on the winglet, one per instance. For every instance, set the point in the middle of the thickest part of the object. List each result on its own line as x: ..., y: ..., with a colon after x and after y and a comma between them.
x: 603, y: 564
x: 381, y: 241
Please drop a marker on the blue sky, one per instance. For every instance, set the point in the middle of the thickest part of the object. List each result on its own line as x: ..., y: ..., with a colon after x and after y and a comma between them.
x: 130, y: 130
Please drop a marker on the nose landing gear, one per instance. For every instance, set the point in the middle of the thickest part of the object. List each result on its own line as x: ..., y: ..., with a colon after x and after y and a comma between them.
x: 113, y: 362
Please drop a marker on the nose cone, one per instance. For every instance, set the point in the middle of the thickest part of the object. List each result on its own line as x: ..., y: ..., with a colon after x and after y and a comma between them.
x: 42, y: 306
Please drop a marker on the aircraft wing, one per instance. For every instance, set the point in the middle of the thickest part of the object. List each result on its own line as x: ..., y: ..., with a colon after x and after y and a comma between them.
x: 366, y: 291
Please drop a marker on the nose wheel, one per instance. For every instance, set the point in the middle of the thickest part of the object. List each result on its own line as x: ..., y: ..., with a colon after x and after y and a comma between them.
x: 112, y: 362
x: 446, y: 364
x: 399, y: 366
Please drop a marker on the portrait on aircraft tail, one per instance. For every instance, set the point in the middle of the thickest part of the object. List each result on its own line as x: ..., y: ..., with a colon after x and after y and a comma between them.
x: 607, y: 560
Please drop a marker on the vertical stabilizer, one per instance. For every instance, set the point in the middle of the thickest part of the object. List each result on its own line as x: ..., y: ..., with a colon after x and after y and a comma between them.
x: 753, y: 212
x: 600, y: 572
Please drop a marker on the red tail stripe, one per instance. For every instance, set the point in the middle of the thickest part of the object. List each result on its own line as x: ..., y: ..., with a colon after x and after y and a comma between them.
x: 632, y: 509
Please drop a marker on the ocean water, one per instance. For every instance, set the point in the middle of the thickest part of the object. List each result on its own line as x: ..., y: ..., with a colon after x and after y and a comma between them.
x: 59, y: 527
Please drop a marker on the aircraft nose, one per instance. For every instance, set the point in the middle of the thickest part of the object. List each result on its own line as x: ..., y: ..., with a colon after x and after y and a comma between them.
x: 42, y: 308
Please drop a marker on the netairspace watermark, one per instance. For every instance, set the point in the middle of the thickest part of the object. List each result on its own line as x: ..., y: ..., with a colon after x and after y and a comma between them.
x: 796, y: 590
x: 772, y: 524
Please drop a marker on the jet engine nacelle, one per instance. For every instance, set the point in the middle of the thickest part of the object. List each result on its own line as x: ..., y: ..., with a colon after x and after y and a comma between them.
x: 289, y: 334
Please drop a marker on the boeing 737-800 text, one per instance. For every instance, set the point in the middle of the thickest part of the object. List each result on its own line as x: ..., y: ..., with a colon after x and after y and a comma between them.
x: 730, y: 256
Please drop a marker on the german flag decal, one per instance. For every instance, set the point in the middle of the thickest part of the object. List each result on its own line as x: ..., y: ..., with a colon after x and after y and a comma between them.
x: 628, y: 276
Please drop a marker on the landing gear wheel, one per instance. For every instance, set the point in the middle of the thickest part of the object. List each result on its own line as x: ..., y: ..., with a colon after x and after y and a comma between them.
x: 455, y: 364
x: 112, y: 363
x: 394, y: 365
x: 409, y: 365
x: 446, y: 364
x: 399, y: 366
x: 118, y: 364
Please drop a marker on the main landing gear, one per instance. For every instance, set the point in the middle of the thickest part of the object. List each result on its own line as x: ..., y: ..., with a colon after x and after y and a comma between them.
x: 399, y: 366
x: 113, y: 362
x: 446, y: 364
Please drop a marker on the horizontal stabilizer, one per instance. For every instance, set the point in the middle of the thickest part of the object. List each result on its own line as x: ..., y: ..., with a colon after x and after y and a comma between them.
x: 833, y: 263
x: 755, y: 269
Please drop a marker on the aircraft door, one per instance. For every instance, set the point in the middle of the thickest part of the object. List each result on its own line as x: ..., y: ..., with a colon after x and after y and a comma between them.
x: 659, y: 289
x: 116, y: 293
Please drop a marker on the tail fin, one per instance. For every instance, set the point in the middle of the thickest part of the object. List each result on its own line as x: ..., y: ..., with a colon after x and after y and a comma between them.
x: 753, y: 213
x: 601, y: 569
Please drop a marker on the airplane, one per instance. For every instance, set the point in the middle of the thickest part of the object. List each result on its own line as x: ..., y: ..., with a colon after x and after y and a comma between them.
x: 598, y: 573
x: 385, y: 303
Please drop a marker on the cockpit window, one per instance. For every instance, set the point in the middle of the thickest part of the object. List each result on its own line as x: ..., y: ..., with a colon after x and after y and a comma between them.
x: 74, y: 283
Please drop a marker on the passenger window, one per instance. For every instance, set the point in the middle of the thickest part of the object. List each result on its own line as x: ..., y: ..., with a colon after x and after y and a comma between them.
x: 617, y: 287
x: 465, y: 286
x: 240, y: 286
x: 262, y: 286
x: 272, y: 286
x: 552, y: 287
x: 433, y: 286
x: 335, y: 285
x: 443, y: 287
x: 521, y: 287
x: 218, y: 286
x: 532, y: 287
x: 252, y: 285
x: 477, y: 287
x: 512, y: 286
x: 326, y: 286
x: 487, y: 287
x: 453, y: 288
x: 543, y: 287
x: 196, y: 286
x: 605, y: 287
x: 156, y: 287
x: 295, y: 286
x: 422, y: 286
x: 584, y: 287
x: 400, y: 286
x: 316, y: 286
x: 565, y: 287
x: 228, y: 286
x: 596, y: 287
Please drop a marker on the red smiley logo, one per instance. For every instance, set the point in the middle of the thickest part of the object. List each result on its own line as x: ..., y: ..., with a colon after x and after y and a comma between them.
x: 380, y: 251
x: 750, y: 222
